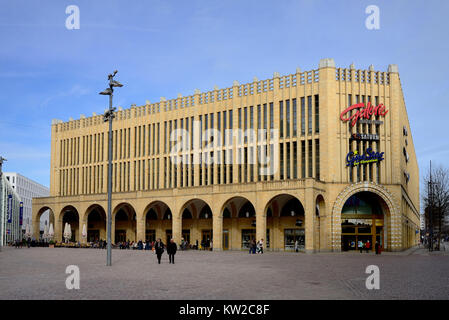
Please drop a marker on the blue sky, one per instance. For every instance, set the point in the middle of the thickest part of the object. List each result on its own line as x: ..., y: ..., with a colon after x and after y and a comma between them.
x: 166, y: 47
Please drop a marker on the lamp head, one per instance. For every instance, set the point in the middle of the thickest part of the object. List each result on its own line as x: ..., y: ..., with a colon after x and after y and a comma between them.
x: 115, y: 83
x: 106, y: 92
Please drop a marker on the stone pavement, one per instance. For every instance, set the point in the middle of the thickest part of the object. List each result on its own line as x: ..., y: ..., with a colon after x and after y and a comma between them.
x: 39, y: 273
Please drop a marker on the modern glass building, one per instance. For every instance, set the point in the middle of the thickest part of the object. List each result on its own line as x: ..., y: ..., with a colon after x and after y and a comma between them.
x: 318, y: 159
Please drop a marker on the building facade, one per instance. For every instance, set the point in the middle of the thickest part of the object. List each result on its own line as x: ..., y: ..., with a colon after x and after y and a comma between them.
x: 320, y: 159
x: 28, y: 189
x: 11, y: 214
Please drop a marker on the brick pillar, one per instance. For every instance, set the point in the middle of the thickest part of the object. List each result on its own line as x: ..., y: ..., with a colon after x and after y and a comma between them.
x: 309, y: 208
x: 217, y: 225
x: 261, y: 223
x: 140, y: 229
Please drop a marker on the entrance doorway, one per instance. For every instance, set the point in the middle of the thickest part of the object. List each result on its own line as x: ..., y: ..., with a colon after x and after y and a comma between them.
x: 93, y: 235
x: 291, y: 236
x: 248, y: 235
x: 362, y: 221
x: 150, y: 235
x: 186, y: 235
x: 206, y: 238
x: 168, y: 236
x: 120, y: 236
x: 226, y: 239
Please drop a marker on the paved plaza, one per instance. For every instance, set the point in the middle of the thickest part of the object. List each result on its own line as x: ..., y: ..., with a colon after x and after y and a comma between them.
x: 39, y: 273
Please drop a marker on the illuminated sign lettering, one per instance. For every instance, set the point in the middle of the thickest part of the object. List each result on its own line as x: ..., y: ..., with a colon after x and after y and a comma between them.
x: 354, y: 158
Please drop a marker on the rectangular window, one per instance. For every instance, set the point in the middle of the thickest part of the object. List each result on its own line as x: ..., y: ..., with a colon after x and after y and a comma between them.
x: 158, y: 138
x: 281, y: 160
x: 317, y: 114
x: 303, y: 159
x: 239, y: 125
x: 245, y: 123
x: 287, y: 109
x: 281, y: 119
x: 310, y: 159
x: 295, y: 120
x: 295, y: 160
x: 288, y: 160
x: 309, y: 114
x: 317, y: 159
x: 224, y: 128
x: 205, y: 129
x: 259, y: 120
x: 303, y: 116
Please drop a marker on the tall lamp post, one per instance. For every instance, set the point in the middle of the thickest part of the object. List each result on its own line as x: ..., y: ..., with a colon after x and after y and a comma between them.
x: 1, y: 196
x: 108, y: 116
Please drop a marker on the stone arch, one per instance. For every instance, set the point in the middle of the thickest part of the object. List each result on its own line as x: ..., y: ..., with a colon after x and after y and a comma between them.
x: 95, y: 218
x: 238, y: 231
x: 233, y: 208
x: 36, y: 220
x: 192, y: 205
x: 194, y: 224
x: 71, y: 215
x: 159, y: 206
x: 286, y: 221
x: 125, y: 228
x: 388, y: 205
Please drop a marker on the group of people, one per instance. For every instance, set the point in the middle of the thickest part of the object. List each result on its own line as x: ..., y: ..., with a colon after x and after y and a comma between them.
x: 28, y: 242
x: 159, y: 248
x: 256, y: 247
x: 136, y: 245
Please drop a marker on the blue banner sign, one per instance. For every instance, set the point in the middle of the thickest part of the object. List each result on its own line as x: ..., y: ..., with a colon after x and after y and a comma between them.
x: 21, y: 213
x: 354, y: 158
x: 9, y: 208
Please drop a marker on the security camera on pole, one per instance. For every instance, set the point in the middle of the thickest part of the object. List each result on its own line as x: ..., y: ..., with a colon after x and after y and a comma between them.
x: 108, y: 116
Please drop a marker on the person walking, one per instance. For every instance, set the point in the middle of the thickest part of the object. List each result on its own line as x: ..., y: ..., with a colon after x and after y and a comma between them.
x: 367, y: 246
x: 171, y: 250
x: 377, y: 247
x: 261, y: 246
x: 297, y: 246
x: 159, y: 249
x: 360, y: 245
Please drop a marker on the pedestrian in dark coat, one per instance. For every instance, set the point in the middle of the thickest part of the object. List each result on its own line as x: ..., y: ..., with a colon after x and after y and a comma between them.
x: 171, y: 250
x: 159, y: 249
x: 377, y: 247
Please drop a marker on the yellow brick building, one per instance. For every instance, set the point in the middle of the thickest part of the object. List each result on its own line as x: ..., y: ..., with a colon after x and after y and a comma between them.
x: 337, y: 176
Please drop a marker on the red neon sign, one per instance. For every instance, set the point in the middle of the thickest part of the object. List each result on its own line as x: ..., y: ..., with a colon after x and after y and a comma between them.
x: 363, y: 112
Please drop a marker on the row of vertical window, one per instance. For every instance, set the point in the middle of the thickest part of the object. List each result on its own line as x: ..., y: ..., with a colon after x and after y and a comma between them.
x: 309, y: 109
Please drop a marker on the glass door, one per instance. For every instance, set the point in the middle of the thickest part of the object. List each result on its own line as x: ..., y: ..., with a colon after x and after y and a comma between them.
x: 247, y: 236
x: 225, y: 239
x: 293, y: 237
x: 206, y: 238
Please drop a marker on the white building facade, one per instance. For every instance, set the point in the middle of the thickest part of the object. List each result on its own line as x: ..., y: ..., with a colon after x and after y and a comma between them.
x: 10, y: 213
x: 28, y: 189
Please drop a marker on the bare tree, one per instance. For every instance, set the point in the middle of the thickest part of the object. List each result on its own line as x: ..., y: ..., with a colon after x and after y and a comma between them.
x: 436, y: 201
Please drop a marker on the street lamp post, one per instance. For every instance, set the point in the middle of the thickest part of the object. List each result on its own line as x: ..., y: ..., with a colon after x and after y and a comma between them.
x: 1, y: 196
x: 108, y: 116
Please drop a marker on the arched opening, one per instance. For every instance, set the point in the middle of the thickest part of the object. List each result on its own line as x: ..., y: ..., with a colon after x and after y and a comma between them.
x: 96, y: 223
x: 239, y: 224
x: 286, y: 219
x: 196, y: 225
x: 70, y: 215
x: 157, y: 221
x: 125, y: 223
x: 43, y: 222
x: 362, y: 221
